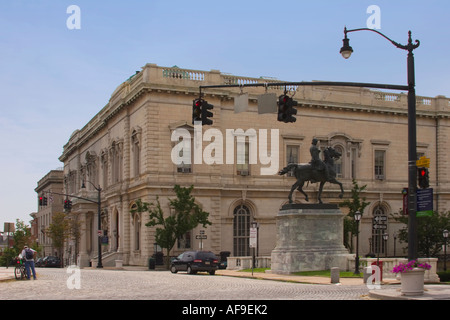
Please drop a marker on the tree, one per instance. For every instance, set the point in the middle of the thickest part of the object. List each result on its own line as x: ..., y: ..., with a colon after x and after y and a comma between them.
x: 429, y: 232
x: 185, y: 217
x: 21, y: 237
x: 357, y: 203
x: 58, y: 231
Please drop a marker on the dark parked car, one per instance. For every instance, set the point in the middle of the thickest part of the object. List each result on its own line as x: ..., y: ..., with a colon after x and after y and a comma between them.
x: 38, y: 262
x: 51, y: 261
x: 193, y: 261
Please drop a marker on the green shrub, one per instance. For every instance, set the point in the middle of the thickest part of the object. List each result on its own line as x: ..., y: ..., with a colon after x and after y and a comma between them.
x: 444, y: 276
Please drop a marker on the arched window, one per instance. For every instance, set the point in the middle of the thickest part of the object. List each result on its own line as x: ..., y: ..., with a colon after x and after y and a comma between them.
x: 241, y: 231
x: 137, y: 231
x: 380, y: 220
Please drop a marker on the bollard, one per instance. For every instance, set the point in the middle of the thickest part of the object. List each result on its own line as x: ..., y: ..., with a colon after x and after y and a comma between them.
x: 367, y: 273
x: 335, y: 275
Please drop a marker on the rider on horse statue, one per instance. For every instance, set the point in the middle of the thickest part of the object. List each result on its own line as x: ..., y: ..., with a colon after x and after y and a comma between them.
x: 316, y: 163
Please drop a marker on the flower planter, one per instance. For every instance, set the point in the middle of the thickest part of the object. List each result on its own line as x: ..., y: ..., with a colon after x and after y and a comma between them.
x: 412, y: 282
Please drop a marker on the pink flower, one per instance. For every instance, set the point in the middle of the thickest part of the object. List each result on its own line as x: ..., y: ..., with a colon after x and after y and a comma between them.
x: 409, y: 266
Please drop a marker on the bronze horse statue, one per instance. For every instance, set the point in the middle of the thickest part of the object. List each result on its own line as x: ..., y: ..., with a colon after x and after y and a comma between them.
x: 308, y: 172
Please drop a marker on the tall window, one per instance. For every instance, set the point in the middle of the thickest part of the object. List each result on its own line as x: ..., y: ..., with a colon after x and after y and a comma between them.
x: 91, y: 170
x: 184, y: 241
x: 292, y: 157
x: 241, y: 231
x: 137, y: 231
x: 380, y: 171
x: 116, y: 162
x: 136, y: 148
x: 242, y: 163
x: 380, y: 217
x: 338, y: 163
x: 184, y: 167
x: 104, y: 161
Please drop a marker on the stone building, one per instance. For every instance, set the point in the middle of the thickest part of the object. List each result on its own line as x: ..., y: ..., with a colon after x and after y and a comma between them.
x: 127, y: 150
x: 51, y: 182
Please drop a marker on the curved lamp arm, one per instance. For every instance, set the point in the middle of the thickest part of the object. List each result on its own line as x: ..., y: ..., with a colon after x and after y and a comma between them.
x: 346, y: 50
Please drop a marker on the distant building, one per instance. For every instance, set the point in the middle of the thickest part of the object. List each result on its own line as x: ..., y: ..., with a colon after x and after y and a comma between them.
x: 127, y: 150
x: 51, y: 182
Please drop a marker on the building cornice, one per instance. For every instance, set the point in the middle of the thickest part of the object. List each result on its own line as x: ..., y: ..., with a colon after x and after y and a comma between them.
x: 178, y: 81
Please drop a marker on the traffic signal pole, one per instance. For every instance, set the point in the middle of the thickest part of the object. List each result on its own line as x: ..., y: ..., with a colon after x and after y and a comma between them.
x: 309, y: 83
x: 412, y: 144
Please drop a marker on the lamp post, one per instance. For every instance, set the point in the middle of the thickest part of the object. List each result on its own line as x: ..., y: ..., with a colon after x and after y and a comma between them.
x: 254, y: 226
x: 395, y: 242
x: 346, y: 51
x: 445, y: 234
x: 385, y: 238
x: 357, y: 218
x: 99, y: 264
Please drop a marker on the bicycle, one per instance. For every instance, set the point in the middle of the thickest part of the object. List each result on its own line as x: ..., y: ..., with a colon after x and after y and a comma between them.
x: 19, y: 271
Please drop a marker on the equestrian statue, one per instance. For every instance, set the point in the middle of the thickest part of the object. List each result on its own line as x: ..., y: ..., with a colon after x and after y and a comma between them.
x: 316, y: 171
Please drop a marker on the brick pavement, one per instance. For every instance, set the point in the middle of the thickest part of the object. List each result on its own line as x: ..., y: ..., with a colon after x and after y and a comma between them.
x: 126, y: 282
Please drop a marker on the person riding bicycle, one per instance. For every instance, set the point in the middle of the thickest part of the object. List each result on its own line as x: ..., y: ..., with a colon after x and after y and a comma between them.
x: 28, y: 256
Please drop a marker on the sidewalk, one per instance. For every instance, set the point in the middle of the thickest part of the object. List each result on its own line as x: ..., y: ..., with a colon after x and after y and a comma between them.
x: 6, y: 274
x: 293, y: 278
x: 387, y: 292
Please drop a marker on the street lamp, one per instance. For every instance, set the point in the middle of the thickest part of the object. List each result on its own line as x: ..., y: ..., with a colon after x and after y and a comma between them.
x: 99, y: 264
x: 445, y: 234
x: 346, y: 51
x: 395, y: 242
x: 385, y: 238
x: 357, y: 218
x: 254, y: 226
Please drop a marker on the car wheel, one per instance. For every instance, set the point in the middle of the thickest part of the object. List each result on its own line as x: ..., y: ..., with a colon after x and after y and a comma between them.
x: 190, y: 271
x: 173, y: 269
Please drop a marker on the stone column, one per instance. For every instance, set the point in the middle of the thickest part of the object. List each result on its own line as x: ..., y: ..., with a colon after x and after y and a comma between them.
x: 83, y: 257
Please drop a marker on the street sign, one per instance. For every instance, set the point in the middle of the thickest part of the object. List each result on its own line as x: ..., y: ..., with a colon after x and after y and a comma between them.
x: 380, y: 219
x: 253, y: 237
x: 424, y: 202
x: 423, y: 162
x: 201, y: 236
x: 379, y: 223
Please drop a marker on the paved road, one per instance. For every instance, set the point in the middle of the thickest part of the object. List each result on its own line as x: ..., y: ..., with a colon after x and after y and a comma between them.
x: 58, y: 284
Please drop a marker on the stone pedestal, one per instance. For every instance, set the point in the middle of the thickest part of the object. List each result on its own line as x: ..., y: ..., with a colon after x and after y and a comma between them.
x: 309, y: 238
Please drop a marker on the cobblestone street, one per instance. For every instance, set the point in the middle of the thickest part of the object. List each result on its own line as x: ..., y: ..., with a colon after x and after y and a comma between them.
x: 58, y: 284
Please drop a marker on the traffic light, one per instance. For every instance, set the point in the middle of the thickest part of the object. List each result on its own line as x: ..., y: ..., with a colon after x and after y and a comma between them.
x: 67, y: 204
x: 197, y: 110
x: 286, y: 109
x: 207, y: 114
x: 282, y: 108
x: 42, y: 201
x: 291, y: 110
x: 424, y: 179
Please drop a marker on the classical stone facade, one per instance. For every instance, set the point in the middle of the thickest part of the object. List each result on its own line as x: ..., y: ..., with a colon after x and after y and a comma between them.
x: 127, y: 149
x: 51, y: 182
